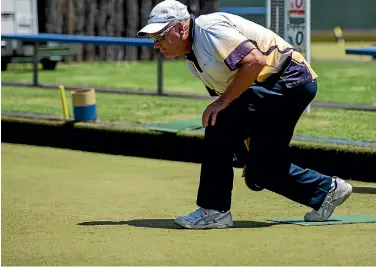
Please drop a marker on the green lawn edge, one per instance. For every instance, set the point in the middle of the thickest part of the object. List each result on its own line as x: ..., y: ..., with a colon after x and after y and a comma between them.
x: 140, y: 130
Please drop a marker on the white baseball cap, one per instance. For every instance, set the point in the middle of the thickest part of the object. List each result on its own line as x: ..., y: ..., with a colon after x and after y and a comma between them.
x: 162, y: 14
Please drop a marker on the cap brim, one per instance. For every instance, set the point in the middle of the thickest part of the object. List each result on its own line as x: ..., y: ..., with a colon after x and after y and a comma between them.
x: 152, y: 28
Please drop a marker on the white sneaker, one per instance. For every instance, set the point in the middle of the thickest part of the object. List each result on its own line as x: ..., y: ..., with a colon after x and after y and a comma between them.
x: 342, y: 190
x: 206, y: 219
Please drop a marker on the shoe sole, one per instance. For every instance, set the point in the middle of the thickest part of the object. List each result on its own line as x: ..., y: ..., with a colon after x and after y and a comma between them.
x: 203, y: 227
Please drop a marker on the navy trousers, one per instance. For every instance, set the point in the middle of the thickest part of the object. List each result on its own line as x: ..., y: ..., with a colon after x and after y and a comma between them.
x: 268, y: 117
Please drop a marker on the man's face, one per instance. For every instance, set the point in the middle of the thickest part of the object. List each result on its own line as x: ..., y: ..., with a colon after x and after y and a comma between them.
x: 169, y: 40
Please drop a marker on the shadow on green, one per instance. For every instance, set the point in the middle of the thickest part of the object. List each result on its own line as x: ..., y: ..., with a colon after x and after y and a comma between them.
x: 169, y: 223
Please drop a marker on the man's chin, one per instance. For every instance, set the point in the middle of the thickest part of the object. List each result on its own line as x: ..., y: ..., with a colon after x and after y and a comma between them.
x: 168, y: 55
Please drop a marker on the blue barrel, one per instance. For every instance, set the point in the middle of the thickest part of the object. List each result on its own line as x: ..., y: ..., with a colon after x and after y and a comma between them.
x: 84, y: 106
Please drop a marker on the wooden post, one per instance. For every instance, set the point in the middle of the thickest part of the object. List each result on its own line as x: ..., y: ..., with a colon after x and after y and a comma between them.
x: 35, y: 64
x: 160, y: 74
x: 70, y: 17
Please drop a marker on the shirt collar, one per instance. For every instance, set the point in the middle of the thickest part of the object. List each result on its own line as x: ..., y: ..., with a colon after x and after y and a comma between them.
x: 191, y: 36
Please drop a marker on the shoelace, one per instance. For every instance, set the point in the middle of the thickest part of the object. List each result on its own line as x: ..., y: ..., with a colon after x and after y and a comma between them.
x: 328, y: 202
x: 196, y: 214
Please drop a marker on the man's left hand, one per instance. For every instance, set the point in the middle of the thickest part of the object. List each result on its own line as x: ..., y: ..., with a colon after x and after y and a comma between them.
x: 213, y: 109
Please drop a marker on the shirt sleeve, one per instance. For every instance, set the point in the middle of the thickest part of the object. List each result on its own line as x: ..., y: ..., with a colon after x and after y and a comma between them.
x: 229, y: 44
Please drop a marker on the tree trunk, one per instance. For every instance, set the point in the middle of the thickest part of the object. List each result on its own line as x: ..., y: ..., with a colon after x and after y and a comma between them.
x: 109, y: 18
x: 132, y: 10
x: 102, y: 23
x: 54, y: 16
x: 119, y: 28
x: 156, y: 52
x: 195, y: 7
x: 70, y: 18
x: 90, y: 29
x: 155, y: 2
x: 110, y: 29
x: 145, y: 8
x: 79, y: 14
x: 208, y: 6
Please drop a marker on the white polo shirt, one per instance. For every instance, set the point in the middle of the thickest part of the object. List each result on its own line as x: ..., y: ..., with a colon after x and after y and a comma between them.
x: 222, y: 40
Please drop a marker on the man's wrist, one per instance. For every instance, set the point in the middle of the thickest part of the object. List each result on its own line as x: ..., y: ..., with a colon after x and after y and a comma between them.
x: 225, y: 100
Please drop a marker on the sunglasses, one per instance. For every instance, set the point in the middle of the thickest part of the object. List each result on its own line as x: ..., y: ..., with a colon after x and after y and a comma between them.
x: 160, y: 37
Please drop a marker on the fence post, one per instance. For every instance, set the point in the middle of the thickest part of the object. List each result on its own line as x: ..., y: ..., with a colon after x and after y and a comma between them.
x: 35, y: 64
x: 160, y: 73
